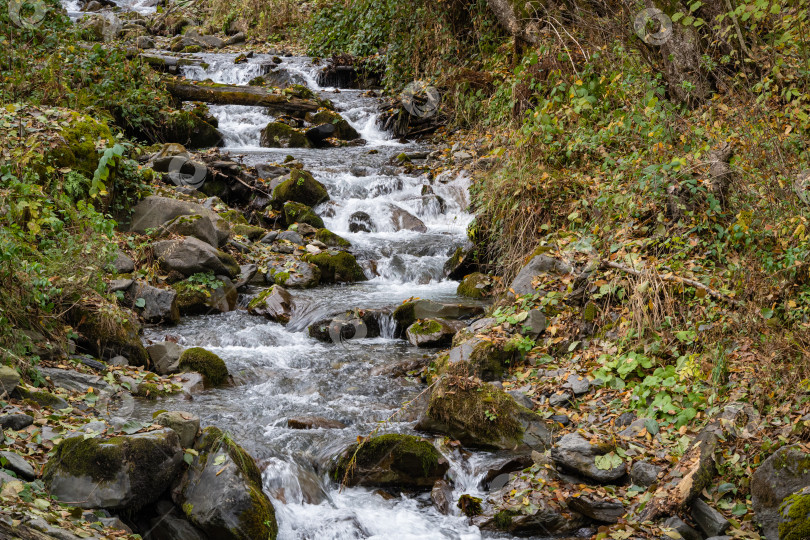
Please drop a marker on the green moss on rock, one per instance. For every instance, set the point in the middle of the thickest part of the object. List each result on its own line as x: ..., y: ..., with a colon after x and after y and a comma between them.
x: 405, y: 315
x: 248, y: 231
x: 475, y: 285
x: 280, y: 135
x: 331, y: 239
x: 208, y: 364
x: 234, y: 217
x: 300, y: 213
x: 337, y: 267
x: 343, y: 130
x: 795, y: 512
x: 301, y: 187
x: 425, y: 327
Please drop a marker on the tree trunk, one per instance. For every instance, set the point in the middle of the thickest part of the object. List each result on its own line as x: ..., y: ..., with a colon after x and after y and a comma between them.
x: 241, y: 95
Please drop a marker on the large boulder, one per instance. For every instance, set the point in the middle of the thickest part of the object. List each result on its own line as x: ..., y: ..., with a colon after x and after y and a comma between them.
x: 185, y: 424
x: 208, y: 364
x: 391, y: 461
x: 352, y: 324
x: 274, y: 303
x: 784, y: 473
x: 487, y: 360
x: 537, y: 266
x: 401, y: 219
x: 337, y: 267
x: 154, y: 305
x: 331, y: 239
x: 190, y: 256
x: 475, y: 285
x: 794, y: 516
x: 107, y: 337
x: 195, y: 225
x: 483, y: 416
x: 125, y: 472
x: 165, y: 357
x: 154, y: 211
x: 300, y: 187
x: 281, y: 135
x: 221, y: 492
x: 576, y: 454
x: 409, y: 312
x: 341, y: 128
x: 195, y: 298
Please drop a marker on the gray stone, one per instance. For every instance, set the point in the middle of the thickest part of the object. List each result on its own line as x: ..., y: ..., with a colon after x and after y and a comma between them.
x: 430, y: 333
x: 559, y: 399
x: 401, y: 219
x: 604, y: 510
x: 154, y: 211
x: 165, y: 357
x: 9, y: 379
x: 159, y: 305
x: 644, y: 473
x: 575, y: 453
x: 195, y: 225
x: 782, y: 474
x: 361, y: 222
x: 246, y: 274
x: 221, y: 491
x: 442, y: 497
x: 116, y: 285
x: 291, y: 236
x: 291, y: 273
x: 118, y: 361
x: 314, y: 422
x: 192, y: 382
x: 122, y: 264
x: 269, y: 238
x: 710, y: 521
x: 15, y: 421
x: 521, y: 398
x: 144, y: 42
x: 275, y: 303
x: 578, y: 384
x: 185, y: 424
x: 74, y: 380
x: 191, y: 256
x: 129, y: 472
x: 539, y: 265
x: 170, y: 524
x: 686, y: 532
x: 18, y: 464
x: 535, y: 323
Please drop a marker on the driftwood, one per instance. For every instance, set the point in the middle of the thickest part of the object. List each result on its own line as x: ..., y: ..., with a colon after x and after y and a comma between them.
x: 696, y: 469
x: 168, y: 64
x: 676, y: 279
x: 241, y: 95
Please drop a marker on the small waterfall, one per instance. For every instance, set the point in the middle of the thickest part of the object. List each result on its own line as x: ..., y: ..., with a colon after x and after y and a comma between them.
x: 388, y: 326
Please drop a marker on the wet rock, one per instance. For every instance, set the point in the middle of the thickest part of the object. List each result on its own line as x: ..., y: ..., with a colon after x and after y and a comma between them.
x: 710, y: 521
x: 598, y: 509
x: 300, y: 213
x: 460, y: 264
x: 442, y: 496
x: 352, y: 324
x: 485, y: 417
x: 194, y: 298
x: 293, y: 274
x: 361, y: 222
x: 687, y: 532
x: 539, y: 265
x: 320, y: 133
x: 393, y: 461
x: 274, y: 303
x: 644, y: 473
x: 340, y: 127
x: 409, y: 312
x: 185, y: 424
x: 221, y: 492
x: 482, y: 358
x: 281, y: 135
x: 154, y: 305
x: 401, y: 219
x: 206, y: 363
x: 15, y: 421
x: 246, y: 273
x: 170, y: 524
x: 190, y: 256
x: 499, y: 469
x: 291, y: 236
x: 782, y: 474
x: 314, y: 422
x: 337, y: 267
x: 430, y: 333
x: 574, y: 453
x: 165, y: 357
x: 9, y: 379
x: 122, y: 264
x: 124, y: 472
x: 15, y: 462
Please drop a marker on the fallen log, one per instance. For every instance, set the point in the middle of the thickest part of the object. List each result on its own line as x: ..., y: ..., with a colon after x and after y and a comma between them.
x: 168, y: 64
x: 241, y: 95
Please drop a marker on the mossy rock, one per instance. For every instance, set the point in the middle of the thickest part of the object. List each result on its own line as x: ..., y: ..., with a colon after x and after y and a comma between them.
x: 331, y: 239
x: 120, y: 473
x: 300, y: 213
x: 250, y: 232
x: 274, y: 303
x: 482, y: 358
x: 110, y: 334
x: 221, y: 493
x: 483, y: 416
x: 795, y: 514
x: 80, y: 152
x: 280, y: 135
x: 398, y: 461
x: 208, y: 364
x: 234, y: 217
x: 430, y: 333
x: 188, y: 129
x: 343, y: 130
x: 42, y: 398
x: 302, y: 188
x: 475, y: 285
x: 340, y: 267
